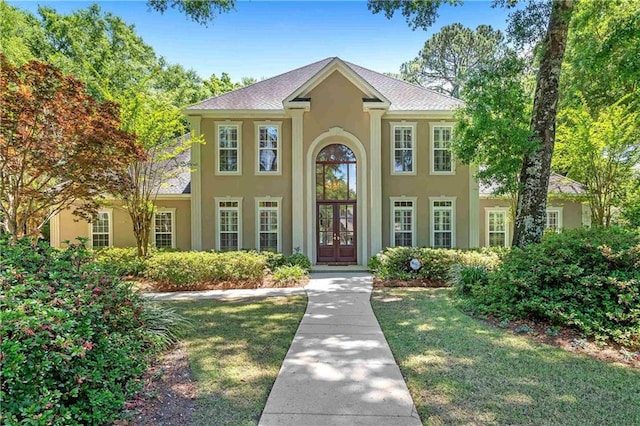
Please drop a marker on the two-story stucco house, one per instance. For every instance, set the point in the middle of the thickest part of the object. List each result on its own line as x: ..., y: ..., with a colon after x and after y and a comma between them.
x: 330, y: 159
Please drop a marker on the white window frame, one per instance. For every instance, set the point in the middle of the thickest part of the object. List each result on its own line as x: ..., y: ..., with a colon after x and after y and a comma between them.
x: 279, y: 150
x: 278, y: 211
x: 505, y: 212
x: 392, y: 139
x: 557, y: 210
x: 219, y: 200
x: 432, y: 148
x: 109, y: 212
x: 172, y: 211
x: 412, y: 209
x: 238, y: 126
x: 433, y: 209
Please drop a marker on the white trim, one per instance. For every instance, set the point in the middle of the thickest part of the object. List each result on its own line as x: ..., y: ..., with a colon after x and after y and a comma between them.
x: 54, y: 230
x: 196, y: 186
x: 432, y: 210
x: 474, y: 208
x: 172, y: 211
x: 336, y: 64
x: 432, y: 127
x: 237, y: 113
x: 173, y: 196
x: 375, y: 127
x: 278, y: 210
x: 109, y: 212
x: 419, y: 114
x: 505, y: 212
x: 238, y: 126
x: 553, y: 209
x: 414, y: 219
x: 297, y: 180
x: 218, y: 200
x: 341, y: 136
x: 278, y: 126
x: 414, y: 134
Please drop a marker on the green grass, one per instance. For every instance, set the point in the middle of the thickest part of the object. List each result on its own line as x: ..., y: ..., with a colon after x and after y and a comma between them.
x: 461, y: 371
x: 235, y: 351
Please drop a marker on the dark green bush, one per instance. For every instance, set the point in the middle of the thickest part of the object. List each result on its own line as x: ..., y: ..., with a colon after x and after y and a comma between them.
x: 274, y: 260
x: 193, y: 269
x: 587, y: 279
x: 122, y: 261
x: 300, y: 260
x: 73, y: 340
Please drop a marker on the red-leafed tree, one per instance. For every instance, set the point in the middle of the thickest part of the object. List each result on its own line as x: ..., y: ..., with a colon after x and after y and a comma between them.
x: 59, y: 147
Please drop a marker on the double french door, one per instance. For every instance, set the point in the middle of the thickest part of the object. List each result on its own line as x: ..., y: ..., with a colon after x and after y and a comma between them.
x: 336, y: 232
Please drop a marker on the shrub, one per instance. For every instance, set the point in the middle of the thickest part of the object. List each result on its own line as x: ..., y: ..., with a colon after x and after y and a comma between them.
x: 274, y: 260
x: 122, y: 261
x: 193, y: 269
x: 73, y: 340
x: 285, y: 275
x: 301, y: 260
x: 587, y: 279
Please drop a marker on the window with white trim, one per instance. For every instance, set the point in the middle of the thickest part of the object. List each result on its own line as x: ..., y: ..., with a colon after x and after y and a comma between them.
x: 403, y: 221
x: 441, y: 149
x: 268, y: 224
x: 229, y: 223
x: 268, y: 148
x: 403, y: 148
x: 554, y: 219
x: 443, y: 222
x: 101, y: 227
x: 164, y: 228
x: 229, y: 148
x: 496, y: 225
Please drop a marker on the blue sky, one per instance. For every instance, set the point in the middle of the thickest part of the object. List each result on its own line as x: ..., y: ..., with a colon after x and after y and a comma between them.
x: 265, y: 38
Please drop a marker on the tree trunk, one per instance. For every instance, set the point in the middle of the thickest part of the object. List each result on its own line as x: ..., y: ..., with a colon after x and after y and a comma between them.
x: 536, y: 167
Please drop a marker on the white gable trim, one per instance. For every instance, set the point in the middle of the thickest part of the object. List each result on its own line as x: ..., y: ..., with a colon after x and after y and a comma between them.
x: 337, y: 64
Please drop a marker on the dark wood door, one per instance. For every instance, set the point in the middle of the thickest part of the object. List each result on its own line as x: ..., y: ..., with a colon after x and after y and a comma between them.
x: 336, y: 232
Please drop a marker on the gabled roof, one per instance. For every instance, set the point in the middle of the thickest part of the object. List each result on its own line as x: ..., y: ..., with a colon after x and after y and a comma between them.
x: 558, y: 184
x: 269, y: 94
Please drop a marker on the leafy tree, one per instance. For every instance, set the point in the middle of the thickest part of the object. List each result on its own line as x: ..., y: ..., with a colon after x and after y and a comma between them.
x: 20, y: 35
x: 601, y: 151
x: 200, y: 11
x: 447, y: 57
x: 630, y: 210
x: 536, y: 167
x: 217, y: 86
x: 58, y: 147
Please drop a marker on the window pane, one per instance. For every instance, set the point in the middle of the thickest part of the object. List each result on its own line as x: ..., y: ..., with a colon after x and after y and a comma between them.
x: 100, y: 240
x: 228, y: 160
x: 268, y: 146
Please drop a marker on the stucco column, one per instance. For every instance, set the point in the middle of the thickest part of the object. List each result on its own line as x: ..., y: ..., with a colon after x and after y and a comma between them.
x: 474, y: 208
x: 375, y: 121
x: 297, y: 176
x: 54, y: 230
x: 196, y: 186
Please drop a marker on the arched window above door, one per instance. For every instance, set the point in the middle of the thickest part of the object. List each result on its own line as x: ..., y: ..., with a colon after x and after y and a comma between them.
x: 336, y: 174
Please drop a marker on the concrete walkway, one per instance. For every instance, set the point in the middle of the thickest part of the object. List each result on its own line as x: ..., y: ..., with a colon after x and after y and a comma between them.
x: 339, y: 369
x: 225, y: 294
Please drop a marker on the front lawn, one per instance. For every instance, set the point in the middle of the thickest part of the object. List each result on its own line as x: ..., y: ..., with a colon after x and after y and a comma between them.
x: 461, y: 371
x: 235, y: 351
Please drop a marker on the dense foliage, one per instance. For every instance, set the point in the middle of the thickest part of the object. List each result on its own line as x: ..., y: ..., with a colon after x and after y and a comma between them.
x: 435, y: 264
x: 288, y: 274
x: 587, y: 279
x: 74, y: 341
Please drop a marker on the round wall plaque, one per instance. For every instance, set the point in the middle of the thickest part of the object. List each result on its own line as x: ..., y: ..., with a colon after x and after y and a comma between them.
x: 415, y: 264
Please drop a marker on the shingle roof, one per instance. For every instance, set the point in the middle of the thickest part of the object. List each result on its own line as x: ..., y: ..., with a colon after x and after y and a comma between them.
x: 270, y: 93
x: 181, y: 182
x: 558, y: 184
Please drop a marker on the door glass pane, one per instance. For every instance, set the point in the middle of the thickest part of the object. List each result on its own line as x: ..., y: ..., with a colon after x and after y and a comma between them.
x: 325, y: 224
x: 347, y: 225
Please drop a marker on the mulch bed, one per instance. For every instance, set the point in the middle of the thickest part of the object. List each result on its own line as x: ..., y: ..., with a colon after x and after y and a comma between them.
x: 378, y: 283
x: 157, y: 287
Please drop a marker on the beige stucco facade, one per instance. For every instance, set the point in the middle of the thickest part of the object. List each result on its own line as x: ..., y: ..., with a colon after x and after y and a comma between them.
x: 333, y: 107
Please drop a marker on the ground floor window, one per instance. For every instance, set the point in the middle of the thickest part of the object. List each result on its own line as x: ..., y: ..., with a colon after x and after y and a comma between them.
x: 403, y: 221
x: 496, y: 225
x: 442, y: 222
x: 164, y: 225
x: 268, y: 224
x: 101, y: 228
x: 554, y: 219
x: 229, y: 224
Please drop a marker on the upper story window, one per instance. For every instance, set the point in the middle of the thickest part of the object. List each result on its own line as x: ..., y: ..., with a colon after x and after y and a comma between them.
x: 164, y: 228
x: 229, y: 224
x: 101, y: 229
x: 403, y: 148
x: 268, y: 148
x: 443, y: 222
x: 441, y: 149
x: 229, y: 148
x: 554, y: 219
x: 403, y: 221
